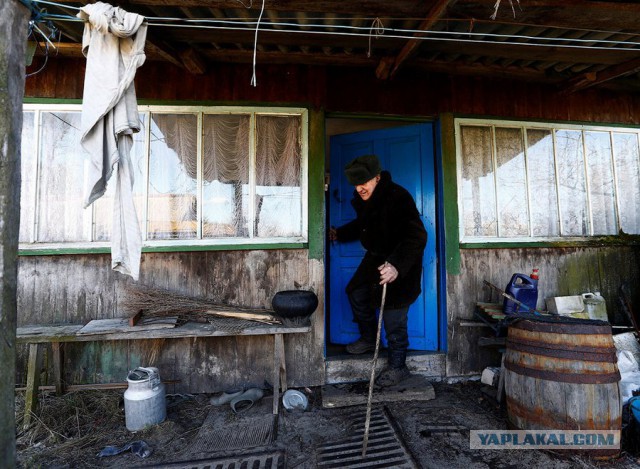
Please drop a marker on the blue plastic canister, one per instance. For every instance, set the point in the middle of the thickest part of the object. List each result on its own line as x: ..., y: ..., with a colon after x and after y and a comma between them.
x: 524, y: 289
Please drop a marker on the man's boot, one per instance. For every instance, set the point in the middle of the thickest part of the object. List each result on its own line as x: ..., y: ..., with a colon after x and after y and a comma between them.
x: 395, y: 371
x: 366, y: 342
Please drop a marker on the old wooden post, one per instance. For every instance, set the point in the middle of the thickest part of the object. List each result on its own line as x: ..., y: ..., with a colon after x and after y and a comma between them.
x: 13, y: 32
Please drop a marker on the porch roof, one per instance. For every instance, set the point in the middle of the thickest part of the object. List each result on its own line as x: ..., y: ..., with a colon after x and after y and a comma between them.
x: 573, y: 44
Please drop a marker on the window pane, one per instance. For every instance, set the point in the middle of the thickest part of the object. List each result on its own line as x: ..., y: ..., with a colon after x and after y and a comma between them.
x: 172, y: 207
x: 28, y: 162
x: 225, y: 175
x: 601, y: 188
x: 542, y: 181
x: 104, y: 205
x: 478, y: 187
x: 278, y: 205
x: 626, y: 156
x: 573, y: 194
x: 60, y: 213
x: 513, y: 211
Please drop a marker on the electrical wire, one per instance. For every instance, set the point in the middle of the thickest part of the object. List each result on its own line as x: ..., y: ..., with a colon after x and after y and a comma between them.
x: 367, y: 19
x: 254, y: 81
x: 506, y: 39
x: 365, y: 31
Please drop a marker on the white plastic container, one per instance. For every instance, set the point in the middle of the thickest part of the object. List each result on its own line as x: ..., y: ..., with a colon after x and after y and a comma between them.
x: 595, y: 306
x: 572, y: 306
x: 144, y: 399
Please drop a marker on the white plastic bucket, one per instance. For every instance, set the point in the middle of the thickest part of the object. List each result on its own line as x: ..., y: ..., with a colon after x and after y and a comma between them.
x: 144, y: 399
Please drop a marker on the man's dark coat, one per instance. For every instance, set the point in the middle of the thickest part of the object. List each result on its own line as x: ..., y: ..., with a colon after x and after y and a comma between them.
x: 390, y: 229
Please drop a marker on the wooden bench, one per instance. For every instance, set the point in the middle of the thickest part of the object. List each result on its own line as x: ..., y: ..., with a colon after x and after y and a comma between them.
x: 118, y: 329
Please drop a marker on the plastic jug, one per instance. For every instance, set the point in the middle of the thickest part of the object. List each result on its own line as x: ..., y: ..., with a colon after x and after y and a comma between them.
x: 595, y: 306
x: 524, y: 289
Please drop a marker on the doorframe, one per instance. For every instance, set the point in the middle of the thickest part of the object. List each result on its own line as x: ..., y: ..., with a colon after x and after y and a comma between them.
x: 441, y: 272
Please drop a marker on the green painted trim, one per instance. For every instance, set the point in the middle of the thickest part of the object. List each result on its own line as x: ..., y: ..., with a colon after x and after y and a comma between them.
x: 450, y: 193
x: 315, y: 184
x: 546, y: 121
x: 107, y: 250
x: 596, y: 241
x: 51, y: 101
x: 380, y: 117
x: 62, y: 251
x: 228, y: 247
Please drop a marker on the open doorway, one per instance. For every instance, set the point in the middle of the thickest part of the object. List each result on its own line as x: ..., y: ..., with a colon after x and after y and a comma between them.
x: 407, y: 150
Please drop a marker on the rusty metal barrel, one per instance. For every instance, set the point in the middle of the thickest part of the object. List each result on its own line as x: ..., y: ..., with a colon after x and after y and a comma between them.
x: 562, y: 374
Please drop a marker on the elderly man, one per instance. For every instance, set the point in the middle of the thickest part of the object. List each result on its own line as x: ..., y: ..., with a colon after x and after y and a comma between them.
x: 388, y: 225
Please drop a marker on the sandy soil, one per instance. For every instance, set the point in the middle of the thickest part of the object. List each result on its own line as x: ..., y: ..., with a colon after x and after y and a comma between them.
x: 69, y: 431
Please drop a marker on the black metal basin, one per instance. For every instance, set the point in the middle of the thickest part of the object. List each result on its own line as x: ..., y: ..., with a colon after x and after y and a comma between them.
x: 294, y: 303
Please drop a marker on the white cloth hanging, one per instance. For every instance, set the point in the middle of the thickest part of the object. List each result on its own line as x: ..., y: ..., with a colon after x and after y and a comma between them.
x: 113, y: 43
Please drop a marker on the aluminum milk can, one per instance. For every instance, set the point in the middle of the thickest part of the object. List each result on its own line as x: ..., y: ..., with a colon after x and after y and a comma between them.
x: 144, y: 399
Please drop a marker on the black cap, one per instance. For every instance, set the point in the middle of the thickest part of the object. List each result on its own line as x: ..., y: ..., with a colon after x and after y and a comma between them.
x: 362, y: 169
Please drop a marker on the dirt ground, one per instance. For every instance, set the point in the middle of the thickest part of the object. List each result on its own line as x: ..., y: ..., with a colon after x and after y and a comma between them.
x: 69, y: 431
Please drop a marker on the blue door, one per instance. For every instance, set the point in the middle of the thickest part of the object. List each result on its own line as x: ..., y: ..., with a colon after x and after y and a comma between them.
x: 408, y: 154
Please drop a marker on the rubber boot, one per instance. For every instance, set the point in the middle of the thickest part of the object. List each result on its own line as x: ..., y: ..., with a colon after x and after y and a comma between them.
x: 366, y: 342
x: 395, y: 371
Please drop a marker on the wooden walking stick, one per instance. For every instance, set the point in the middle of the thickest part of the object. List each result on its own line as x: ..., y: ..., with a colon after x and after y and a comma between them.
x: 373, y: 373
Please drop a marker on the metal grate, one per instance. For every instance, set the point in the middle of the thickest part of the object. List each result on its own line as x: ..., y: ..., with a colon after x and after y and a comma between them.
x: 248, y: 433
x: 384, y: 449
x: 274, y: 460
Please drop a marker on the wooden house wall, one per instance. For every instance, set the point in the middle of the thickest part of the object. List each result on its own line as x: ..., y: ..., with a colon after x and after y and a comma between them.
x: 78, y: 288
x: 563, y: 272
x: 82, y: 287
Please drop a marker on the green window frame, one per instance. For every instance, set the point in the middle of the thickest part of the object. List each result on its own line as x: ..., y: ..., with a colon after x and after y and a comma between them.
x: 208, y: 177
x: 524, y: 182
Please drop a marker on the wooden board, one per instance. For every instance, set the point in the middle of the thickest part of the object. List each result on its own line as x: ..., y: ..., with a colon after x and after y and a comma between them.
x: 416, y: 388
x: 107, y: 326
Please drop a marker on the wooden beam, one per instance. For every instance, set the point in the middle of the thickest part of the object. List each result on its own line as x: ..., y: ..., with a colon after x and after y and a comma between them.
x: 589, y: 79
x: 355, y: 60
x: 57, y: 349
x: 193, y: 61
x: 276, y: 38
x: 163, y: 50
x: 33, y: 383
x: 500, y: 50
x: 435, y: 13
x: 549, y: 54
x: 368, y: 8
x: 570, y: 14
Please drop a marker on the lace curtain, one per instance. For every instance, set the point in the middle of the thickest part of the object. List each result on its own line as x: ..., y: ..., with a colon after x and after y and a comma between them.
x: 277, y: 206
x: 278, y: 151
x: 226, y: 148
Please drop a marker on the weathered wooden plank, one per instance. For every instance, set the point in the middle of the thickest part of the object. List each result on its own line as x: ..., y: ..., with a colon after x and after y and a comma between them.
x: 109, y: 326
x: 357, y: 90
x: 416, y: 388
x: 57, y: 350
x: 279, y: 376
x: 69, y: 333
x: 33, y: 382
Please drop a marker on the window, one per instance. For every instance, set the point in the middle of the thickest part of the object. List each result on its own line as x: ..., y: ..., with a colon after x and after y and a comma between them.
x: 529, y: 181
x: 203, y: 176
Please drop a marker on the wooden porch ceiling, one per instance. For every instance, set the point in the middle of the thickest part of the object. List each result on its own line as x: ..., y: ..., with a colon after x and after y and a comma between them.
x: 573, y: 44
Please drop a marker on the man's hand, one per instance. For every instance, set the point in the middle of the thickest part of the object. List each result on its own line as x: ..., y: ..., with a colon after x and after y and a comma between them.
x: 388, y: 273
x: 333, y: 234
